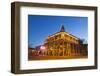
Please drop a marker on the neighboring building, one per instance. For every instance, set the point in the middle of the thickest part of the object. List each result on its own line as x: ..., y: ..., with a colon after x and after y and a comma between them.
x: 62, y: 44
x: 31, y: 52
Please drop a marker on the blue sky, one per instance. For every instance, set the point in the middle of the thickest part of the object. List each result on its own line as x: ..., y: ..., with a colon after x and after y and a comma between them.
x: 41, y: 26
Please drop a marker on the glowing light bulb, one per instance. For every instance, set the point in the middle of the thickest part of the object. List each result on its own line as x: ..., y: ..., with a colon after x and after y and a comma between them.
x: 42, y: 48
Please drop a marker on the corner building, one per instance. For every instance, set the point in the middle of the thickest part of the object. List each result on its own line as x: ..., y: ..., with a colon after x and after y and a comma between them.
x: 64, y: 44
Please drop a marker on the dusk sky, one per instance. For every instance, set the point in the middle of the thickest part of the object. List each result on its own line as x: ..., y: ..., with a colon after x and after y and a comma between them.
x: 41, y: 26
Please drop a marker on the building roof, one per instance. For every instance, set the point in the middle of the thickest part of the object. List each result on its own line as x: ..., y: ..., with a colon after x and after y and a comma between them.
x: 63, y: 30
